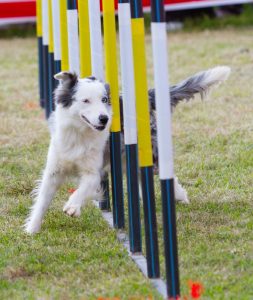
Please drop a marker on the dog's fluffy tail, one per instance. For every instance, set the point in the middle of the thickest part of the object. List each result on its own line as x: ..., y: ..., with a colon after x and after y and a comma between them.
x: 199, y: 83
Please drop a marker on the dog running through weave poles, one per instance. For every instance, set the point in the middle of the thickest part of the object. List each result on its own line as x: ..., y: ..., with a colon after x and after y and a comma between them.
x: 133, y: 66
x: 63, y: 19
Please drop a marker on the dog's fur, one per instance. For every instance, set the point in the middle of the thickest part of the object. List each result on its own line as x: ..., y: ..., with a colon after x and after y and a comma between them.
x: 79, y: 138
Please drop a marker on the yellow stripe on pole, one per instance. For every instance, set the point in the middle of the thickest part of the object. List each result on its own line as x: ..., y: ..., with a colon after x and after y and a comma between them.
x: 84, y: 38
x: 50, y: 26
x: 39, y: 17
x: 64, y: 36
x: 111, y: 66
x: 141, y: 92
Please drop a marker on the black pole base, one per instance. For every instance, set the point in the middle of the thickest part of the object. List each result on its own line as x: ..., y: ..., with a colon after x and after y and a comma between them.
x: 148, y: 196
x: 133, y: 198
x: 46, y: 80
x: 170, y: 238
x: 41, y: 72
x: 116, y: 179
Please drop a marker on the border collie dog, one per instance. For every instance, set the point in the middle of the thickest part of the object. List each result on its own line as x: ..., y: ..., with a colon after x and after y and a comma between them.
x: 80, y: 129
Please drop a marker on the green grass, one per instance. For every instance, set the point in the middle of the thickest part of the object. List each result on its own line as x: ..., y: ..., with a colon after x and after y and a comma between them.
x: 20, y: 30
x: 81, y: 258
x: 245, y: 19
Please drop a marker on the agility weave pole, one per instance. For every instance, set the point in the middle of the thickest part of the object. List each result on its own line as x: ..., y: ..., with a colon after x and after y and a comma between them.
x: 144, y: 138
x: 64, y: 36
x: 73, y: 39
x: 45, y: 39
x: 56, y: 35
x: 40, y: 52
x: 84, y: 38
x: 96, y: 43
x: 51, y: 64
x: 111, y: 68
x: 97, y: 69
x: 66, y: 39
x: 130, y: 129
x: 165, y: 151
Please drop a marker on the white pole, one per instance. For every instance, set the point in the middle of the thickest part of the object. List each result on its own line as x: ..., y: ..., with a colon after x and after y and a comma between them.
x: 97, y: 57
x: 127, y: 72
x: 73, y: 40
x: 162, y: 95
x: 56, y: 29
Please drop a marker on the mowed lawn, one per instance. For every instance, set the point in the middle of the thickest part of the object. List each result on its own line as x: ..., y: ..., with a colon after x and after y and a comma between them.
x: 213, y: 141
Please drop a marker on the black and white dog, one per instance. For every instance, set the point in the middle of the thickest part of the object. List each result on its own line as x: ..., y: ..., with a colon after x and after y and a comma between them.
x: 79, y: 138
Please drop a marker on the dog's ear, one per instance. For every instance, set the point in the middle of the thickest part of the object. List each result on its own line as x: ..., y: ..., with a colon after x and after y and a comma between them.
x: 64, y: 92
x: 66, y: 77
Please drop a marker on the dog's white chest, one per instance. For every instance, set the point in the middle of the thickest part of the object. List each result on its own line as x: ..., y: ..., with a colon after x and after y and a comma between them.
x: 77, y: 152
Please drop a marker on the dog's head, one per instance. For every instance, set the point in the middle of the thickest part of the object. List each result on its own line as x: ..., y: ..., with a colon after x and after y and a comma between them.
x: 87, y: 100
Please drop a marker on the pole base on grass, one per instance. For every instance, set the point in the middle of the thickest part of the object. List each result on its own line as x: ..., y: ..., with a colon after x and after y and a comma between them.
x: 116, y: 179
x: 148, y: 196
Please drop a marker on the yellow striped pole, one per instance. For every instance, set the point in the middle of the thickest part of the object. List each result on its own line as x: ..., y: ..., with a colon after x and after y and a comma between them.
x: 39, y: 18
x: 51, y: 72
x: 45, y: 40
x: 64, y: 36
x: 111, y: 69
x: 144, y: 138
x: 40, y: 51
x: 111, y: 65
x: 50, y: 32
x: 84, y: 38
x: 141, y: 90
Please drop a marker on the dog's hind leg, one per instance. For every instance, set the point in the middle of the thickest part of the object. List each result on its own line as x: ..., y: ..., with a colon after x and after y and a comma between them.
x: 44, y: 194
x: 87, y: 189
x: 180, y: 192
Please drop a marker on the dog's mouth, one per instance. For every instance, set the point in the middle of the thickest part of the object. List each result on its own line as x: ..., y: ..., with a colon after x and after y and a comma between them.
x: 99, y: 128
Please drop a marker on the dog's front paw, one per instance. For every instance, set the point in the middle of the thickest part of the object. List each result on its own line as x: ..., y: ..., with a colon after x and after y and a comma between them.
x: 72, y: 210
x: 32, y: 227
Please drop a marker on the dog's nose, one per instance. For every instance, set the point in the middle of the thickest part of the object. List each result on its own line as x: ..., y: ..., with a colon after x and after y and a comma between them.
x: 103, y: 119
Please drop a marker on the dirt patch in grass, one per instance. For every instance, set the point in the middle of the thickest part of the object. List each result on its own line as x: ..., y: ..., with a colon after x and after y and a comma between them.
x: 13, y: 274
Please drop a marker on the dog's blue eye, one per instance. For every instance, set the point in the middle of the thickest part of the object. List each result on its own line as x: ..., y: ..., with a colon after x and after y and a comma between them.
x: 86, y: 101
x: 105, y: 100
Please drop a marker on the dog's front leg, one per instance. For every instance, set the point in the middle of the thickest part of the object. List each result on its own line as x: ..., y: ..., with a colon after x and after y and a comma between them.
x: 44, y: 194
x: 87, y: 189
